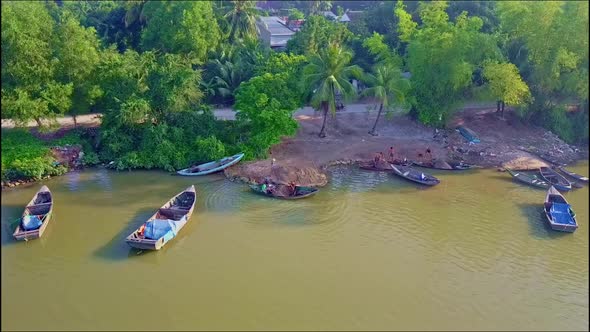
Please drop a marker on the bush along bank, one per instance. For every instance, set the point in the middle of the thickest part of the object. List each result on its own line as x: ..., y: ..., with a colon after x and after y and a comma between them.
x: 28, y: 158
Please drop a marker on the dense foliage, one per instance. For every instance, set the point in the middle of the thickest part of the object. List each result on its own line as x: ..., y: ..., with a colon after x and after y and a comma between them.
x: 153, y: 67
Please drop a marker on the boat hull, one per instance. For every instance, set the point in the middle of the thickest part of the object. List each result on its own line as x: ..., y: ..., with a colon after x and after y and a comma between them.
x: 20, y: 234
x: 237, y: 158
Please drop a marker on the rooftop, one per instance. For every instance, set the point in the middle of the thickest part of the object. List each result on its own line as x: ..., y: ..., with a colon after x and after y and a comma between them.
x: 275, y: 26
x: 344, y: 17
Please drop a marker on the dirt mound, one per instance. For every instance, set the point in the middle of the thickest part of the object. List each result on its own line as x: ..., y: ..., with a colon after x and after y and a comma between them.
x: 256, y: 172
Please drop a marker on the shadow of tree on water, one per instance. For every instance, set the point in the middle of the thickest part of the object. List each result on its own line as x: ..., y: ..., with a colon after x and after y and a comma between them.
x: 538, y: 224
x: 117, y: 249
x: 10, y: 218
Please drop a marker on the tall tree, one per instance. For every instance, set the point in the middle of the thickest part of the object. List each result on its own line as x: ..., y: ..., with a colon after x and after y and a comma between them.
x: 388, y: 86
x: 442, y: 57
x: 181, y: 27
x: 506, y: 84
x: 30, y: 89
x: 326, y: 74
x: 241, y: 15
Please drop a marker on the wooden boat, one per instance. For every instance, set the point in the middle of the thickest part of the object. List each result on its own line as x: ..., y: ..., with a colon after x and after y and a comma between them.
x: 556, y: 180
x: 165, y: 223
x: 300, y: 192
x: 573, y: 175
x: 529, y: 179
x: 469, y: 134
x: 211, y: 167
x: 36, y: 216
x: 559, y: 213
x: 447, y: 166
x: 385, y: 167
x: 412, y: 174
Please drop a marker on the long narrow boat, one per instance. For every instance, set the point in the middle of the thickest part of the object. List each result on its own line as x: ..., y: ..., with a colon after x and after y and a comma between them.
x: 446, y: 166
x: 165, y: 224
x: 469, y: 134
x: 300, y: 192
x: 573, y: 175
x: 212, y: 167
x: 559, y: 213
x: 555, y: 179
x: 412, y: 174
x: 36, y: 216
x: 528, y: 179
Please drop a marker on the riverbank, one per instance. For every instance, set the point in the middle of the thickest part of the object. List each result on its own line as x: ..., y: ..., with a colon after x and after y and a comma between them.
x: 505, y: 143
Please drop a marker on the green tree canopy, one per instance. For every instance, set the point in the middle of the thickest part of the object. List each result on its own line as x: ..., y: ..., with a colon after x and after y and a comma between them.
x: 317, y: 33
x: 181, y: 27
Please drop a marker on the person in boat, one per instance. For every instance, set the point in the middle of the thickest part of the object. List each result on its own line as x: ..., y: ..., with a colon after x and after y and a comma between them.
x: 376, y: 159
x: 292, y: 188
x: 422, y: 176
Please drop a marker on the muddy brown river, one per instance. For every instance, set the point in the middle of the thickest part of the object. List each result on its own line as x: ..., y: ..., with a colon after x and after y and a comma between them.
x: 369, y: 252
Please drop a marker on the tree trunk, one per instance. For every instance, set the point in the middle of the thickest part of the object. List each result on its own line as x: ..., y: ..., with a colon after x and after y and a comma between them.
x: 75, y: 120
x: 498, y: 103
x: 503, y: 104
x: 323, y: 130
x: 372, y: 132
x: 39, y: 124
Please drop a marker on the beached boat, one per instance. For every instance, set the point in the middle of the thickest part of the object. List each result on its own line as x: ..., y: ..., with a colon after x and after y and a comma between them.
x: 36, y: 216
x: 573, y: 175
x: 469, y: 134
x: 529, y: 179
x: 165, y: 224
x: 300, y: 192
x: 447, y: 166
x: 559, y: 213
x: 555, y: 179
x: 412, y: 174
x: 384, y: 167
x: 211, y: 167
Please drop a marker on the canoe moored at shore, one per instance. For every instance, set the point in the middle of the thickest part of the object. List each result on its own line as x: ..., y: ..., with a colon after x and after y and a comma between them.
x: 165, y: 224
x: 446, y: 165
x: 573, y: 175
x: 555, y: 179
x: 414, y: 175
x: 36, y: 216
x: 559, y: 213
x: 469, y: 134
x: 300, y: 192
x: 212, y: 167
x: 531, y: 180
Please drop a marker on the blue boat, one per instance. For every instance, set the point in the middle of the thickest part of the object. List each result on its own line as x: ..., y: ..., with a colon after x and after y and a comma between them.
x: 559, y: 213
x: 468, y: 134
x: 211, y: 167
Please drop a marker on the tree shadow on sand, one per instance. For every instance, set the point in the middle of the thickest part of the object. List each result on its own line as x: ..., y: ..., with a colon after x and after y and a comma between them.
x: 538, y: 224
x: 117, y: 249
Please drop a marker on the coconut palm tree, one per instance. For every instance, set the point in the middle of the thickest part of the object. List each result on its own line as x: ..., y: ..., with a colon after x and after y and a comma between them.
x: 326, y: 74
x: 387, y: 85
x: 241, y: 16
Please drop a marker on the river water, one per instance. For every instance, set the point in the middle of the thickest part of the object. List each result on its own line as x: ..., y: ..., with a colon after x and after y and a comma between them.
x: 369, y: 252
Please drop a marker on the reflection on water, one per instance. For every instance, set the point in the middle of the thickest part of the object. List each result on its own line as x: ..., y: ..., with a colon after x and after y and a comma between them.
x: 370, y: 251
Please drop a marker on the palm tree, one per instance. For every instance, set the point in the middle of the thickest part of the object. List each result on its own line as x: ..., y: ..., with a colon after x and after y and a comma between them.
x: 326, y: 74
x: 241, y: 16
x: 387, y: 85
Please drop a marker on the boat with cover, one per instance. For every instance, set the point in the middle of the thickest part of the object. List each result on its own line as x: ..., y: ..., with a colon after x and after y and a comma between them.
x: 36, y: 216
x: 559, y: 213
x: 211, y: 167
x: 555, y: 179
x: 409, y: 173
x: 300, y: 192
x: 165, y: 224
x: 469, y: 134
x: 532, y: 180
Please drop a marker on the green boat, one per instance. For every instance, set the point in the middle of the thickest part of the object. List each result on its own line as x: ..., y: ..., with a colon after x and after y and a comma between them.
x: 300, y: 192
x: 528, y: 179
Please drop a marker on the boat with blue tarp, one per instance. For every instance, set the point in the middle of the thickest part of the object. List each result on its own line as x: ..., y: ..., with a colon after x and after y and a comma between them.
x: 559, y: 212
x: 165, y: 224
